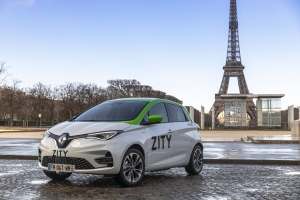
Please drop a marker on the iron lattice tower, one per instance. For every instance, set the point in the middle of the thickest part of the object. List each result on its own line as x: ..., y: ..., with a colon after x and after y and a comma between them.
x: 233, y: 67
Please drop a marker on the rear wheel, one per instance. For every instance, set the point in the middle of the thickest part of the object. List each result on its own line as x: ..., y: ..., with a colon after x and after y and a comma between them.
x: 196, y: 161
x: 57, y: 176
x: 132, y: 168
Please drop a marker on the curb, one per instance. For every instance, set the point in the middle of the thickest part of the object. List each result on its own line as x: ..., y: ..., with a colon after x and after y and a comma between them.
x: 251, y: 162
x: 206, y: 161
x: 266, y: 141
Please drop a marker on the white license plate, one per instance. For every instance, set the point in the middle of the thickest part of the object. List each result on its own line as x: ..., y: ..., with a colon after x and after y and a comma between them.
x: 61, y: 167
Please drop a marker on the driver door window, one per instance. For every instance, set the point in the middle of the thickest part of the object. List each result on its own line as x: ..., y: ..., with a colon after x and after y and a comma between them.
x: 158, y: 109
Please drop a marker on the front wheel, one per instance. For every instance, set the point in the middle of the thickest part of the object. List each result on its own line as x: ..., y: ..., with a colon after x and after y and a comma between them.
x: 57, y: 176
x: 132, y: 168
x: 196, y: 161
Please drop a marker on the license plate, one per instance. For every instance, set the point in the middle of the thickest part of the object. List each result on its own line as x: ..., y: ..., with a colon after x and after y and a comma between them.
x: 61, y: 167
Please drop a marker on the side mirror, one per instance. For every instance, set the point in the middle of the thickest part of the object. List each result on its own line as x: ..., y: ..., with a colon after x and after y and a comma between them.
x: 154, y: 119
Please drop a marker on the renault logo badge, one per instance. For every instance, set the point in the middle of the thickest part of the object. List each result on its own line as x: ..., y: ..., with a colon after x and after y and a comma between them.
x: 62, y: 139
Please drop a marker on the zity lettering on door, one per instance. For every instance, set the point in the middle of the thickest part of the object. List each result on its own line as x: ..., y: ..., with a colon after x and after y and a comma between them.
x: 159, y: 141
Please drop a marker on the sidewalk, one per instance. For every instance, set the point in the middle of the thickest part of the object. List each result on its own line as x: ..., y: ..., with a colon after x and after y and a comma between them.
x: 206, y: 135
x: 22, y: 135
x: 234, y: 135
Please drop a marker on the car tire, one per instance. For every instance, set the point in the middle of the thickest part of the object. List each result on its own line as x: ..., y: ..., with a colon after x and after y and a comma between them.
x: 196, y: 161
x: 57, y: 176
x: 132, y: 169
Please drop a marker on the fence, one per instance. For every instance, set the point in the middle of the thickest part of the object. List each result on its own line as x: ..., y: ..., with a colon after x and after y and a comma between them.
x: 30, y: 123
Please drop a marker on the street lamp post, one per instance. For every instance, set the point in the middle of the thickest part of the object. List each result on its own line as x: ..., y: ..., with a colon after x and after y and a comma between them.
x: 40, y: 116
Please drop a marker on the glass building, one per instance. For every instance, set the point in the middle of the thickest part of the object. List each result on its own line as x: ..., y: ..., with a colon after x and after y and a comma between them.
x: 235, y: 113
x: 268, y: 111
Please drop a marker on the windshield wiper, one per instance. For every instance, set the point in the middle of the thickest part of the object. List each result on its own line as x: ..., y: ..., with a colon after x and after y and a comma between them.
x: 73, y: 118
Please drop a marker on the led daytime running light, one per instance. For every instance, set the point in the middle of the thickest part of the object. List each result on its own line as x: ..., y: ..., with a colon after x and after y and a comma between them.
x: 103, y: 135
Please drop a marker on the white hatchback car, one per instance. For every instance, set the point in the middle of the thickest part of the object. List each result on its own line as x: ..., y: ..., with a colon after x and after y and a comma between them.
x: 123, y: 138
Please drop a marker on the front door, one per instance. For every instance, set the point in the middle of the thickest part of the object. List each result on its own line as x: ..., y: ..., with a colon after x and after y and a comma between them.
x: 159, y: 138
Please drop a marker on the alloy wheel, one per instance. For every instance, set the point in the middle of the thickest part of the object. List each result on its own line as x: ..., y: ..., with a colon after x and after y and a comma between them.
x: 133, y: 167
x: 198, y: 160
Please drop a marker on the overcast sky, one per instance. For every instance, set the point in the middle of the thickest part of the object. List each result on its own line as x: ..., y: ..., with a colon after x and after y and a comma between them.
x: 175, y: 46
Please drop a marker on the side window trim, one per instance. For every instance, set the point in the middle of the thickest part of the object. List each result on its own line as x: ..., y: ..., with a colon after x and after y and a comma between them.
x: 186, y: 116
x: 147, y: 113
x: 168, y: 112
x: 166, y: 107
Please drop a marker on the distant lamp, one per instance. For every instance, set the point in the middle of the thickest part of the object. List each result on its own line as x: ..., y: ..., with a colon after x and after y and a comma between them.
x: 40, y: 116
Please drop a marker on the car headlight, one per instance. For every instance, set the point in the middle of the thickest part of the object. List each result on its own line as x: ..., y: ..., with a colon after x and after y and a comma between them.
x: 105, y: 135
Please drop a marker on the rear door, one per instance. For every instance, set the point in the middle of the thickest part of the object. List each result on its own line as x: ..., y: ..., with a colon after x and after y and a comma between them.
x: 159, y: 137
x: 183, y: 132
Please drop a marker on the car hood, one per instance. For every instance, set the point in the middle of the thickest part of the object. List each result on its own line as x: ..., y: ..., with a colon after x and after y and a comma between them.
x: 79, y: 128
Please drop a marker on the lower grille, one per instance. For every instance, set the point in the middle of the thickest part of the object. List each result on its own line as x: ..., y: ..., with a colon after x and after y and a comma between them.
x: 79, y: 163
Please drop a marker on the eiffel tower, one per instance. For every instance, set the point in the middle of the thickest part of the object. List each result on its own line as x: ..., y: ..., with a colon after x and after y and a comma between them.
x: 233, y: 67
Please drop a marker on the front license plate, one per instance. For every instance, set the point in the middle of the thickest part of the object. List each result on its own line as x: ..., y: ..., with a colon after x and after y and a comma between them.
x: 61, y: 167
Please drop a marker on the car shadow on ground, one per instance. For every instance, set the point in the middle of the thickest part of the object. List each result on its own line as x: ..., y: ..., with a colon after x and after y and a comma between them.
x: 150, y: 179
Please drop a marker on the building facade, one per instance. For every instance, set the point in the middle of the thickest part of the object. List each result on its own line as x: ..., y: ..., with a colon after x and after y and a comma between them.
x: 268, y: 112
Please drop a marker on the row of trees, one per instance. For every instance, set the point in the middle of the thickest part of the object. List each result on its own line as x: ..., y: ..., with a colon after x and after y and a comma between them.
x: 56, y: 104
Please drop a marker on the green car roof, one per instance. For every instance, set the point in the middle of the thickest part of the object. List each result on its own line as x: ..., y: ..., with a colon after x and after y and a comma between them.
x: 151, y: 101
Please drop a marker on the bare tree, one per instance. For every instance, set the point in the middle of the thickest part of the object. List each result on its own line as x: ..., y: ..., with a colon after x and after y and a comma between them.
x: 9, y: 98
x: 95, y: 95
x: 68, y: 96
x: 40, y: 94
x: 65, y: 101
x: 51, y: 103
x: 3, y: 76
x: 158, y: 94
x: 80, y: 97
x: 58, y: 108
x: 172, y: 98
x: 141, y: 91
x: 121, y: 88
x: 25, y: 105
x: 3, y: 72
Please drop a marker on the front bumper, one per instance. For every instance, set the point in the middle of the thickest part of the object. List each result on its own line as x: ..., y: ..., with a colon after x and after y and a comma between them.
x: 82, y: 153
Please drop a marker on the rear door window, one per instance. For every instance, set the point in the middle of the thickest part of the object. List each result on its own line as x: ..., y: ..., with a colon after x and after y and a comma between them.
x: 176, y: 113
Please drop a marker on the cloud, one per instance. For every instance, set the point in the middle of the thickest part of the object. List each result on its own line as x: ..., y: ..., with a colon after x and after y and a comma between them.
x: 22, y: 2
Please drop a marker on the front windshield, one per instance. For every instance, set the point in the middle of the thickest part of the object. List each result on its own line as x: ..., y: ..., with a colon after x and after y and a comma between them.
x: 113, y: 111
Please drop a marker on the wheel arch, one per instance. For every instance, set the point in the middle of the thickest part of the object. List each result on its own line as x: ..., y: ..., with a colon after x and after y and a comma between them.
x: 200, y: 144
x: 138, y: 147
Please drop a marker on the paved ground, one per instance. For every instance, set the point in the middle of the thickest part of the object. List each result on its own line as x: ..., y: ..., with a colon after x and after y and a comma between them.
x: 212, y: 150
x: 23, y: 180
x: 207, y: 135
